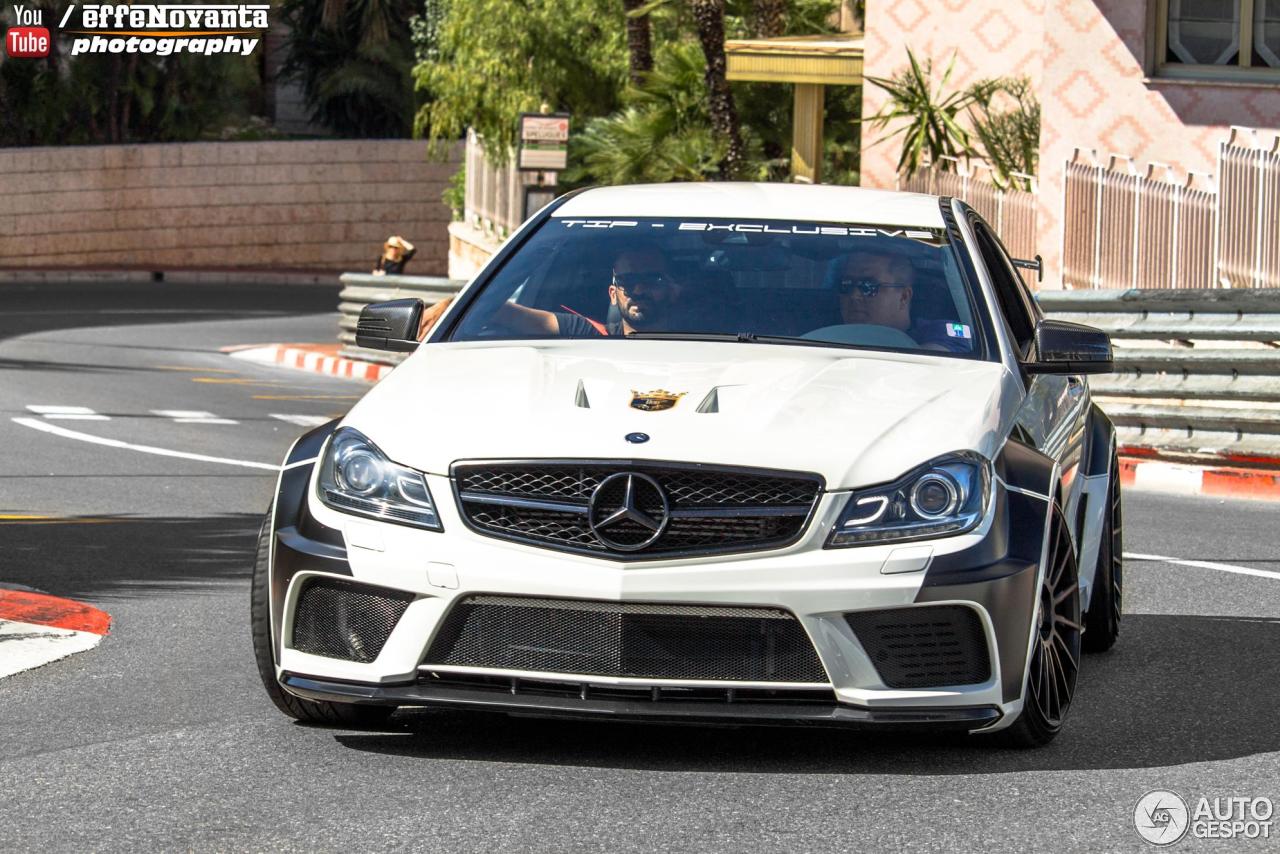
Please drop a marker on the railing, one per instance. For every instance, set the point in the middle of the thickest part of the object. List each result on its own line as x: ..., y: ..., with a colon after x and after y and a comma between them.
x: 1011, y: 211
x: 1197, y: 372
x: 1124, y: 227
x: 495, y: 195
x: 1249, y: 237
x: 360, y: 289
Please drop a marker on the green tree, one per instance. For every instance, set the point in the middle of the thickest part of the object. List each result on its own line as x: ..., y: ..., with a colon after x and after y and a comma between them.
x: 662, y: 134
x: 354, y: 60
x: 108, y: 98
x: 498, y: 59
x: 1009, y: 135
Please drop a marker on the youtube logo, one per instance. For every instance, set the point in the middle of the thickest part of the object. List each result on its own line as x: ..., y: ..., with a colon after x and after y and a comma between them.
x: 27, y: 42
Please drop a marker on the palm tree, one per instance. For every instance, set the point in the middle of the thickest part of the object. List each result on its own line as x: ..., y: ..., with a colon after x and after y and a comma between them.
x: 770, y: 18
x: 353, y: 59
x: 639, y: 40
x: 932, y: 130
x: 709, y: 16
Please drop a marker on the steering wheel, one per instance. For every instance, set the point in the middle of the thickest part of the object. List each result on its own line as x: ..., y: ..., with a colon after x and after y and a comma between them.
x: 864, y: 334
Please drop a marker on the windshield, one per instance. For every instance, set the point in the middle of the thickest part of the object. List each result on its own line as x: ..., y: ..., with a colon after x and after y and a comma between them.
x: 761, y: 281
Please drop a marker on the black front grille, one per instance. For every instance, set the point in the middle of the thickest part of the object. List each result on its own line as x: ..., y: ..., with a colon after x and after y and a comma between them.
x: 709, y: 509
x: 626, y: 639
x: 342, y: 619
x: 931, y: 646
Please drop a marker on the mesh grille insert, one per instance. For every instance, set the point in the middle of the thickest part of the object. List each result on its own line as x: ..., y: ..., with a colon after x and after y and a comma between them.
x: 712, y: 510
x: 625, y: 639
x: 342, y: 619
x: 924, y: 647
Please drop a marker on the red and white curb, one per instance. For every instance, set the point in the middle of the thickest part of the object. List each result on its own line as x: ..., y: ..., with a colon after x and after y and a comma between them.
x: 1216, y: 481
x: 318, y: 358
x: 36, y: 629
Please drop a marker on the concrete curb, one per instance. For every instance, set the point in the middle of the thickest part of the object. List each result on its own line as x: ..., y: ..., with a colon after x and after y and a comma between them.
x: 1215, y: 481
x: 317, y: 358
x: 37, y: 629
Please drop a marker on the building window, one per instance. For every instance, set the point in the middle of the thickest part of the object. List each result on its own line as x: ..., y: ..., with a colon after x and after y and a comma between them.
x: 1218, y: 39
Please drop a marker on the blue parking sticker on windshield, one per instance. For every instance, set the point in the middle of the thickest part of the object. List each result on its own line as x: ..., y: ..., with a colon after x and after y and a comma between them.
x: 958, y: 330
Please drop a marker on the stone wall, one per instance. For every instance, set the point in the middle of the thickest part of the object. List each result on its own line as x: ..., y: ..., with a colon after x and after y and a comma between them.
x: 312, y: 205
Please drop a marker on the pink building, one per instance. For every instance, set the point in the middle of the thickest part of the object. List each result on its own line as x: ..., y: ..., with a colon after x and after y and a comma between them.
x: 1155, y: 80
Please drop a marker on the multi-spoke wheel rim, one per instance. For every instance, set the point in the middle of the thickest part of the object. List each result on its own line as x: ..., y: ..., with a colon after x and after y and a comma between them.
x: 1055, y: 659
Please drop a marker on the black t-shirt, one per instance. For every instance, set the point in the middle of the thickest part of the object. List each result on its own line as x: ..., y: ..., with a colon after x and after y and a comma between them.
x: 577, y: 326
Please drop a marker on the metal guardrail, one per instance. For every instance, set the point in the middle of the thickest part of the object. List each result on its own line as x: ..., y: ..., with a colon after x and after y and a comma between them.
x: 360, y: 289
x: 1197, y: 371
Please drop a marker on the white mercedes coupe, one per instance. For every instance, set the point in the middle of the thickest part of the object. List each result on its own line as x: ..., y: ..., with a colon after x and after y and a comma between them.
x: 718, y: 453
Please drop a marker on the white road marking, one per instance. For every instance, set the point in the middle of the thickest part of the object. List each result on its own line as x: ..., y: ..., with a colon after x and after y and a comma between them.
x: 303, y: 420
x: 36, y: 424
x: 1206, y: 564
x: 68, y: 413
x: 28, y: 645
x: 192, y: 416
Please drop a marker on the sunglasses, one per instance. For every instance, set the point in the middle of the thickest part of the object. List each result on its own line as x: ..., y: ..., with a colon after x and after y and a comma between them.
x: 865, y: 287
x: 631, y: 281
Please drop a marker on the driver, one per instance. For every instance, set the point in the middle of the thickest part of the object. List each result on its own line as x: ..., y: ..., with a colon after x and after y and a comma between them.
x: 876, y: 287
x: 640, y: 286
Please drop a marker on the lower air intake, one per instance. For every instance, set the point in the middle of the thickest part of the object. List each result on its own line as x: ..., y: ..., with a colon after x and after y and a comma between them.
x: 924, y: 647
x: 342, y: 619
x: 626, y: 639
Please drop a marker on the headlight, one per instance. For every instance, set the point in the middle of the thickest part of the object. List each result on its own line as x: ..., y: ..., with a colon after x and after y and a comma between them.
x: 946, y: 496
x: 356, y: 477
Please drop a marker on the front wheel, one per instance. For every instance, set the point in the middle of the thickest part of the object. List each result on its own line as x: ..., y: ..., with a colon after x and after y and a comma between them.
x: 308, y: 711
x: 1055, y: 652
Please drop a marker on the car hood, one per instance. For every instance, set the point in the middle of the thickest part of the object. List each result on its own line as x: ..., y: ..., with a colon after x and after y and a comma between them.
x: 854, y: 417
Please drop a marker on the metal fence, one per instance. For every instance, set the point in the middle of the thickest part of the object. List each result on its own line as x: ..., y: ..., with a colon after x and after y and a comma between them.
x: 1011, y: 211
x: 1249, y: 233
x: 494, y: 200
x: 1124, y: 227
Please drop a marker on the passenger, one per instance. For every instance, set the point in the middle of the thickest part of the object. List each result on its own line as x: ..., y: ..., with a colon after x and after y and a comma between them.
x: 877, y: 287
x: 640, y: 286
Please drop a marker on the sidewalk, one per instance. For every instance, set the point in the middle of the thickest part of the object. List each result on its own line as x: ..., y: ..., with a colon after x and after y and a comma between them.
x: 1137, y: 469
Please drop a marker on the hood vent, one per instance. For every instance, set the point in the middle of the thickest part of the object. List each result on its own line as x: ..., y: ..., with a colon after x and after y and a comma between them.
x: 580, y: 397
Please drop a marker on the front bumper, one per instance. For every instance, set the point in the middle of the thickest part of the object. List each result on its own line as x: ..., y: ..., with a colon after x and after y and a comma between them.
x: 993, y: 571
x: 746, y: 712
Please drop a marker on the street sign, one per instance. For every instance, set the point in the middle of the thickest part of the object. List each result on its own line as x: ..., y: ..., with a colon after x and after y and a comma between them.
x: 544, y: 142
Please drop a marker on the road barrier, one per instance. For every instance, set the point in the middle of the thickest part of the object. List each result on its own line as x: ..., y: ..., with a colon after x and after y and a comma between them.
x: 360, y: 289
x: 1197, y: 371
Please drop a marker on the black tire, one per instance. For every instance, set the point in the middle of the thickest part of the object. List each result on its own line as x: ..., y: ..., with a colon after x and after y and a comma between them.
x: 1102, y: 622
x: 308, y: 711
x: 1055, y: 652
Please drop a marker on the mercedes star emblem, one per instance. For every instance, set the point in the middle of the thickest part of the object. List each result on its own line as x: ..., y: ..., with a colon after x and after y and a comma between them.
x: 628, y: 511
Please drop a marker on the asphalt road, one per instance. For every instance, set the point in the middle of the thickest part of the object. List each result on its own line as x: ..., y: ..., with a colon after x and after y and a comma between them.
x: 162, y: 739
